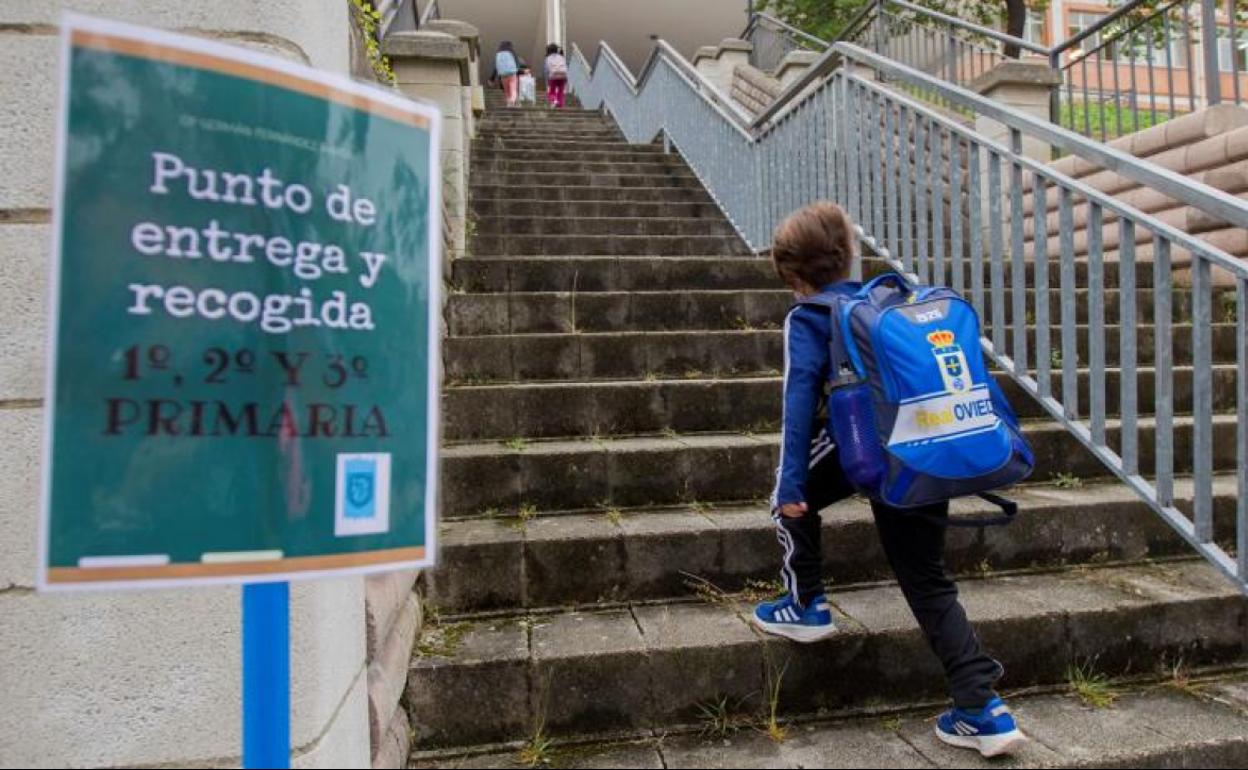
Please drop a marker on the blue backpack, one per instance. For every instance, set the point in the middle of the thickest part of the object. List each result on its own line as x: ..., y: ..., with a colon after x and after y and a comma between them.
x: 913, y: 409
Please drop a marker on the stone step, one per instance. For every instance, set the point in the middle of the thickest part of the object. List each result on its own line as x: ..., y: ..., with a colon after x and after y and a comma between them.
x: 603, y: 274
x: 649, y: 666
x: 550, y: 146
x: 699, y: 354
x: 647, y: 554
x: 627, y: 154
x: 1196, y: 723
x: 500, y: 207
x: 662, y: 165
x: 510, y: 181
x: 747, y: 404
x: 551, y: 245
x: 608, y: 274
x: 559, y: 222
x: 545, y: 118
x: 537, y: 193
x: 523, y: 313
x: 589, y: 311
x: 713, y: 468
x: 535, y: 134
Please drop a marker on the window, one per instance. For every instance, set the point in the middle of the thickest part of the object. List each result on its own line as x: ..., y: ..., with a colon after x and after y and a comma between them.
x: 1077, y: 22
x: 1033, y: 32
x: 1132, y: 47
x: 1233, y: 54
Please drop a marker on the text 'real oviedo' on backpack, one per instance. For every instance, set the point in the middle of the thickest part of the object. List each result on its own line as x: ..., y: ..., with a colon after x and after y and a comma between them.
x: 914, y: 411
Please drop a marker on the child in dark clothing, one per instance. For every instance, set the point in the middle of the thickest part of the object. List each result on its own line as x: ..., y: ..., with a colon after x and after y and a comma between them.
x: 812, y: 253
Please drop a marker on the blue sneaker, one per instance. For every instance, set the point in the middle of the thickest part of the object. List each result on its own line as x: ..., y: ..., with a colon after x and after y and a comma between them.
x: 785, y: 618
x: 992, y: 731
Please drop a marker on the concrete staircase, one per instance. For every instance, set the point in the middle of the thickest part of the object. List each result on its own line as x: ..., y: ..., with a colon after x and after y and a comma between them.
x: 610, y: 414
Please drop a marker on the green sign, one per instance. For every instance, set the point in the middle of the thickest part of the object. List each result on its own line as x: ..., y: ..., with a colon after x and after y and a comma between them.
x: 244, y: 359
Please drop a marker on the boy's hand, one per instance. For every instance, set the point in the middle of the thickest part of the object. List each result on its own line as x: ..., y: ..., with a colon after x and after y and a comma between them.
x: 793, y: 510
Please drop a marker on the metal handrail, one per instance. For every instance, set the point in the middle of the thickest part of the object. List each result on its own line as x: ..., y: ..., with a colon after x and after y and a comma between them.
x: 431, y: 13
x: 937, y: 201
x: 1211, y: 200
x: 995, y: 34
x: 1114, y: 16
x: 783, y: 26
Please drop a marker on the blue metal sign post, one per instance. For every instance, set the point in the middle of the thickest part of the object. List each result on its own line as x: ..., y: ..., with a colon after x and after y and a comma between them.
x: 266, y: 675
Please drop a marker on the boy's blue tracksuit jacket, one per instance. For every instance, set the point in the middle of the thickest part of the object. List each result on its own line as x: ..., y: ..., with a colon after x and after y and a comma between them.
x: 804, y: 439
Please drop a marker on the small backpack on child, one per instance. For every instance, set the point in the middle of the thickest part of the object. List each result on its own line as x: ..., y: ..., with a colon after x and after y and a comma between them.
x: 914, y: 411
x: 556, y: 67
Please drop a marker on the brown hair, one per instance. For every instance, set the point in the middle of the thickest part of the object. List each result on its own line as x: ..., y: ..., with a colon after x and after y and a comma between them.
x: 813, y: 245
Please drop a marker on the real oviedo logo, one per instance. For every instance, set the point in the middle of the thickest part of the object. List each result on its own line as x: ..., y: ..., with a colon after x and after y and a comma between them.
x: 951, y: 361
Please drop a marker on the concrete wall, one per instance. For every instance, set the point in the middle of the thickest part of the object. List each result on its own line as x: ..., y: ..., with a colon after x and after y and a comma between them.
x: 147, y: 677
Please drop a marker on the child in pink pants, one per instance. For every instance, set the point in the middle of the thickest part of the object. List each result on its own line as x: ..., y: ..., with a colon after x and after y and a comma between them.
x: 556, y: 75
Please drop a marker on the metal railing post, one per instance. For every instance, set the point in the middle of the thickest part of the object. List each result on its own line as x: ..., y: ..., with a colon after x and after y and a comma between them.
x: 1209, y: 49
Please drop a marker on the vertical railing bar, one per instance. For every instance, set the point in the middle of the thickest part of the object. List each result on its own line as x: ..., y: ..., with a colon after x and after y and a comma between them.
x: 1127, y: 352
x: 1070, y: 319
x: 1070, y: 96
x: 1163, y: 376
x: 920, y: 195
x: 956, y: 256
x: 1234, y: 33
x: 1241, y: 425
x: 1100, y: 91
x: 1113, y: 62
x: 890, y: 177
x: 1135, y: 93
x: 1202, y: 395
x: 1087, y: 103
x: 1166, y: 37
x: 877, y: 170
x: 904, y: 149
x: 1152, y: 89
x: 996, y: 245
x: 855, y: 181
x: 1019, y: 263
x: 1192, y: 65
x: 1040, y: 268
x: 939, y: 246
x: 1096, y: 323
x: 974, y: 210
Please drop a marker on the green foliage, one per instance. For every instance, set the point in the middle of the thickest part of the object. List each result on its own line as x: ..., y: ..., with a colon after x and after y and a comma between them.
x: 369, y: 18
x: 1067, y: 481
x: 1089, y: 118
x: 1091, y: 687
x: 828, y: 19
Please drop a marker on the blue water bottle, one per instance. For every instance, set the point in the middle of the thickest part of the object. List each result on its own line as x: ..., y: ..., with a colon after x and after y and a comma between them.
x: 851, y: 413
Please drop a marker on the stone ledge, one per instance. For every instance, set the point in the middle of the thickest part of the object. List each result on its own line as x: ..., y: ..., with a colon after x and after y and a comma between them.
x: 470, y: 35
x: 1015, y: 73
x: 728, y: 44
x: 794, y: 60
x: 423, y: 44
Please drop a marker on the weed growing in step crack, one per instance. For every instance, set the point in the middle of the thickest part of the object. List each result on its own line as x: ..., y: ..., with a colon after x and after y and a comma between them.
x: 700, y: 508
x: 438, y: 639
x: 517, y: 444
x: 1179, y: 676
x: 775, y: 678
x: 719, y: 718
x: 1067, y: 481
x: 892, y: 724
x: 1090, y: 686
x: 762, y: 591
x: 539, y: 749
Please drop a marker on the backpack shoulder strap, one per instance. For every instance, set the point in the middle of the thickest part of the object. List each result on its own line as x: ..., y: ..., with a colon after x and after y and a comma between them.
x: 838, y: 357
